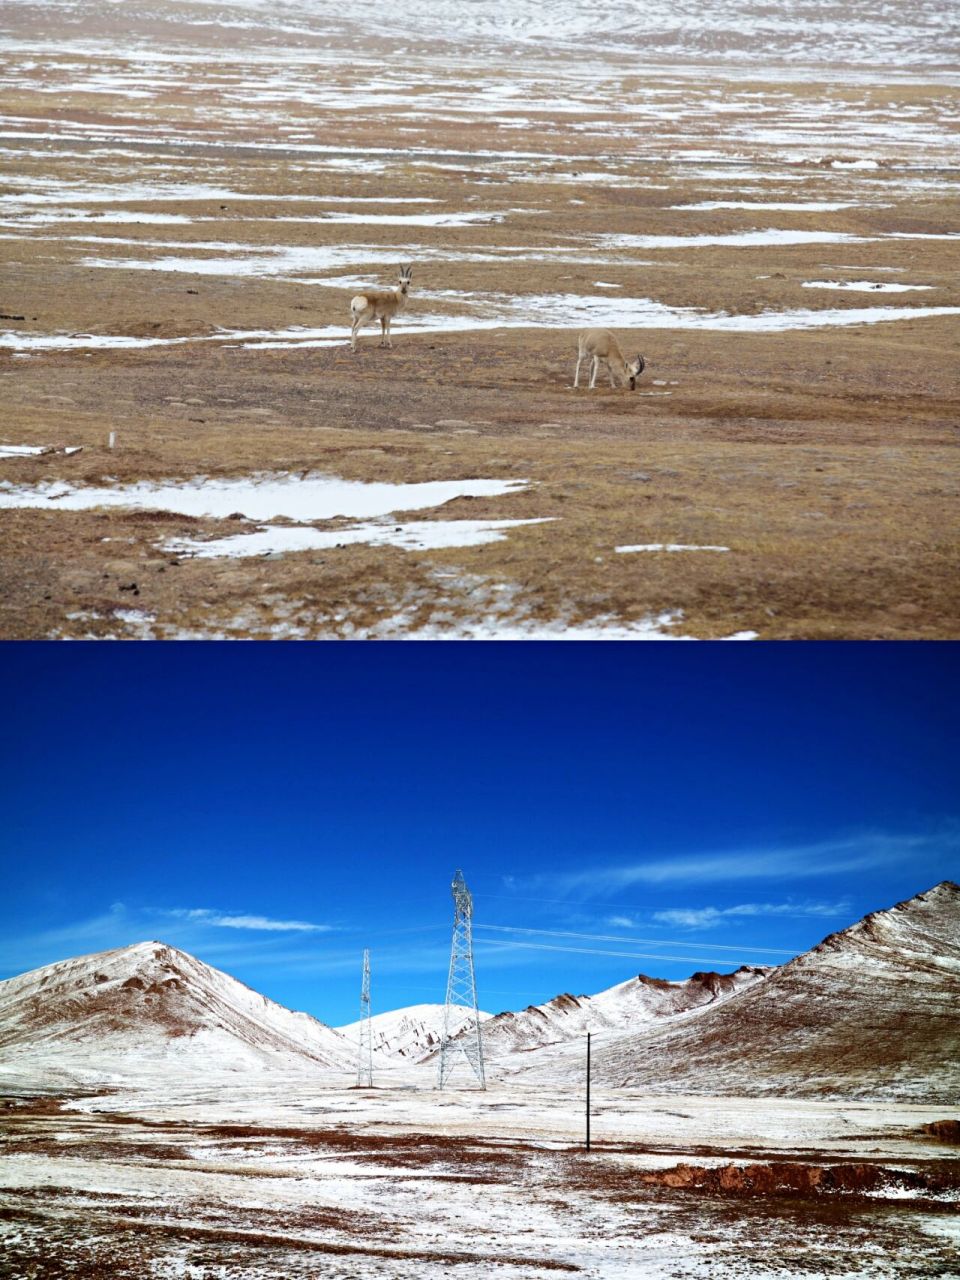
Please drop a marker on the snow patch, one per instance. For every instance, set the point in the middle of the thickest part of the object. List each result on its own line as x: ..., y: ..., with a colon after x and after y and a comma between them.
x: 864, y: 286
x: 423, y: 535
x: 36, y: 450
x: 667, y: 546
x: 262, y: 497
x: 604, y: 627
x: 735, y: 239
x: 780, y: 206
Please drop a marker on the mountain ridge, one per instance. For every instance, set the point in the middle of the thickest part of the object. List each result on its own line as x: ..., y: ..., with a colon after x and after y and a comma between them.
x: 636, y: 1000
x: 869, y: 1011
x: 151, y: 1001
x: 411, y: 1032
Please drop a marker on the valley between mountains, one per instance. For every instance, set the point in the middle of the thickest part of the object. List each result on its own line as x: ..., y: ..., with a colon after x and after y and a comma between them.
x: 159, y: 1118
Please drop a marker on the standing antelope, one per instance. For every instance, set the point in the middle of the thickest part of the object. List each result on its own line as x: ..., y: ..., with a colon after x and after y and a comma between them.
x: 379, y: 304
x: 601, y: 345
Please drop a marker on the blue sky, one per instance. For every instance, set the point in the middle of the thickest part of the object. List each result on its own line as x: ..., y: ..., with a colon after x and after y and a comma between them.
x: 615, y: 808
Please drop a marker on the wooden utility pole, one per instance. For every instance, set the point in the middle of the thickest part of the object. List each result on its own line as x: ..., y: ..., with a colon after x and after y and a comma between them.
x: 588, y: 1090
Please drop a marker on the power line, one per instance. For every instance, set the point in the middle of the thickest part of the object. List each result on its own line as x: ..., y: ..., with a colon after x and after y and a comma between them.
x: 630, y: 906
x: 604, y: 937
x: 401, y: 986
x: 629, y: 955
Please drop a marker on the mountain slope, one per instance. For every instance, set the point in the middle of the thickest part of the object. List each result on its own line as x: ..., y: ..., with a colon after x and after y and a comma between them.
x: 870, y: 1012
x: 625, y: 1007
x: 151, y: 1005
x: 410, y: 1033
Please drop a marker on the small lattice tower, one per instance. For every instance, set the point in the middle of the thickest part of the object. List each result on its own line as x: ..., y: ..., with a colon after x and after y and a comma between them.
x: 461, y: 990
x: 365, y: 1053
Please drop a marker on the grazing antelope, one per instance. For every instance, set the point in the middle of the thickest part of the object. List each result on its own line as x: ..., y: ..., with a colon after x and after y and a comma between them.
x: 379, y: 304
x: 601, y: 345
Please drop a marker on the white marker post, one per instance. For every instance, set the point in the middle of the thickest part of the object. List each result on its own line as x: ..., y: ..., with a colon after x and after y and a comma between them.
x: 588, y: 1090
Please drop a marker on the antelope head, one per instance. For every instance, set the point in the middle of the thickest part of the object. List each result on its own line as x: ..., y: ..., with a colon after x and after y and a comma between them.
x: 634, y: 370
x: 406, y: 274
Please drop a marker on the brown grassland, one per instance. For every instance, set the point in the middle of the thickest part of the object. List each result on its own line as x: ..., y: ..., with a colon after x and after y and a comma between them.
x: 824, y: 459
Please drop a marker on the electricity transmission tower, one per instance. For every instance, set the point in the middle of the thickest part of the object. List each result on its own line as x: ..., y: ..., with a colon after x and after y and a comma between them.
x: 365, y: 1056
x: 461, y: 990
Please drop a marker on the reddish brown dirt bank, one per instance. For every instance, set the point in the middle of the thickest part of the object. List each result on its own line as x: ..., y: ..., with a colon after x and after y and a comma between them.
x: 793, y: 1179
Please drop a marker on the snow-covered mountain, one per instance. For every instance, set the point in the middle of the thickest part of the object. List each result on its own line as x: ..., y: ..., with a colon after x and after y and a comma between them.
x: 151, y: 1006
x: 870, y: 1012
x: 410, y: 1033
x: 626, y: 1007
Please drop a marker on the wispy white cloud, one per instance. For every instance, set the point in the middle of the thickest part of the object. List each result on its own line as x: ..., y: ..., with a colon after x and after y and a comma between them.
x: 859, y: 852
x: 705, y: 917
x: 221, y: 920
x: 217, y: 936
x: 618, y: 938
x: 233, y: 941
x: 77, y: 935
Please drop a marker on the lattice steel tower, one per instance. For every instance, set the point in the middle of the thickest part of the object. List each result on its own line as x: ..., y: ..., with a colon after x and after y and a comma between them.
x: 365, y: 1055
x: 461, y: 990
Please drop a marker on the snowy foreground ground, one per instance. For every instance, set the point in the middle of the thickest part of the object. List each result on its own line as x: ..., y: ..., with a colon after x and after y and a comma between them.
x: 276, y: 1177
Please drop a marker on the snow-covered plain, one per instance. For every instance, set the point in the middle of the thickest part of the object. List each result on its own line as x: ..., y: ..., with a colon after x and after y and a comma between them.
x: 739, y: 32
x: 290, y: 1181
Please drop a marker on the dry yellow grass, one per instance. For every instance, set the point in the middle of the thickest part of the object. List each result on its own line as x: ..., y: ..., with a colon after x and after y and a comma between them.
x: 824, y: 459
